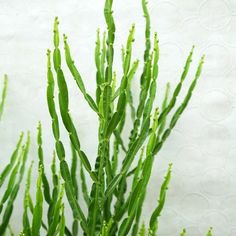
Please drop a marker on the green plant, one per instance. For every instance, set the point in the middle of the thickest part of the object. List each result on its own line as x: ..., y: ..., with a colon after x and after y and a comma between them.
x: 112, y: 206
x: 209, y: 233
x: 13, y: 171
x: 4, y: 93
x: 110, y: 211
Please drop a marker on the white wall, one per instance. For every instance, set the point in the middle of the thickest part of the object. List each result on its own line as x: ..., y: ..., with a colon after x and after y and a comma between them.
x: 202, y: 147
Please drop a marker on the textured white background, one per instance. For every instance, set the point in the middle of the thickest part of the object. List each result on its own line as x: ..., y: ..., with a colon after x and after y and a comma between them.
x: 202, y: 147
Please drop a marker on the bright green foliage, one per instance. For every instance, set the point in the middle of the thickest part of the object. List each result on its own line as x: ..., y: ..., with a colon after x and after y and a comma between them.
x: 55, y: 224
x: 157, y: 212
x: 27, y: 202
x: 62, y: 226
x: 13, y: 171
x: 7, y: 169
x: 113, y: 207
x: 38, y: 209
x: 41, y: 163
x: 13, y: 187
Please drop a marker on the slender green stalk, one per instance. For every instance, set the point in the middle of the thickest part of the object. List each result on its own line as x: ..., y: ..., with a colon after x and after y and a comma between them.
x: 73, y: 169
x: 4, y: 93
x: 154, y: 74
x: 26, y: 220
x: 76, y: 74
x: 15, y: 188
x: 163, y: 107
x: 62, y: 222
x: 110, y: 39
x: 129, y: 92
x: 180, y: 109
x: 145, y: 77
x: 77, y: 211
x: 64, y: 104
x: 153, y: 223
x: 84, y: 185
x: 55, y: 190
x: 38, y: 209
x: 45, y: 184
x: 11, y: 181
x: 177, y: 89
x: 56, y: 215
x: 7, y: 169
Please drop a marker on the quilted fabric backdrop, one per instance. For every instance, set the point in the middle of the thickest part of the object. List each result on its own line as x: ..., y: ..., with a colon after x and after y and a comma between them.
x: 202, y: 147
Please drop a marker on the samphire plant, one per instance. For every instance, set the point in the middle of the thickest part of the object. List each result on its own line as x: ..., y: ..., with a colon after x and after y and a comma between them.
x: 13, y: 171
x: 113, y: 207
